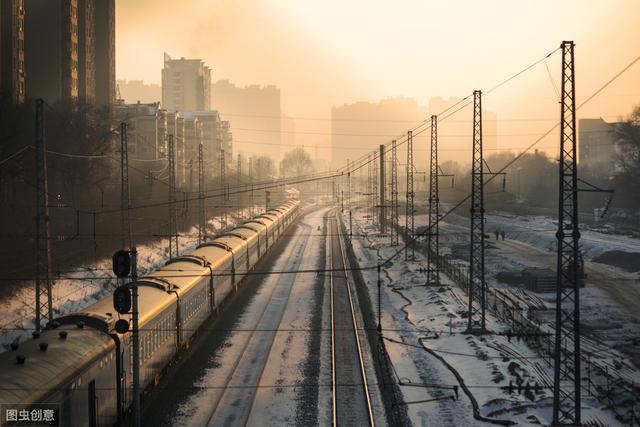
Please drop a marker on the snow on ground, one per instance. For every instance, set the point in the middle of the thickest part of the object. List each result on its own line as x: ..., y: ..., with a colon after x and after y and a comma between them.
x: 540, y: 232
x: 268, y: 347
x: 83, y: 286
x: 416, y: 324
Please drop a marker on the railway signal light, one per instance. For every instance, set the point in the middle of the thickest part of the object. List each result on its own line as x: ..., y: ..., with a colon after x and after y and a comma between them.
x: 121, y: 263
x: 122, y: 299
x: 122, y: 326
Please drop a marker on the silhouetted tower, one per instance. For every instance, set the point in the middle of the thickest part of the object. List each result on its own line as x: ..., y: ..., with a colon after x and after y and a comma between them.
x: 251, y: 183
x: 433, y: 243
x: 477, y: 285
x: 374, y: 189
x: 125, y: 206
x: 238, y: 180
x: 394, y: 192
x: 202, y: 229
x: 382, y: 218
x: 369, y: 189
x: 223, y: 187
x: 223, y: 174
x: 44, y: 302
x: 173, y: 214
x: 409, y: 233
x: 566, y: 384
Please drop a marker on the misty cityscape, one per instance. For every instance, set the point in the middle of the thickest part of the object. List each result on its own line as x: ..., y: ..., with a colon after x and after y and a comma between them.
x: 274, y: 213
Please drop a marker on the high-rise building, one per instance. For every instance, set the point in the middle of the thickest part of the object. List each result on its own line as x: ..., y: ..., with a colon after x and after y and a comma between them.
x: 51, y: 49
x: 147, y: 129
x: 597, y: 147
x: 105, y: 49
x: 256, y: 116
x: 70, y: 51
x: 86, y: 51
x: 186, y: 85
x: 359, y: 128
x: 12, y: 70
x: 137, y: 90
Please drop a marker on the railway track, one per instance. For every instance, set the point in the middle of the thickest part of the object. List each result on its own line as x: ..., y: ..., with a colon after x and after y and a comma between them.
x: 351, y: 400
x: 233, y: 405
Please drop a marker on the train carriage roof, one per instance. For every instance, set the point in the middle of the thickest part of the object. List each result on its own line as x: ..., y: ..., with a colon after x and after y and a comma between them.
x: 46, y: 371
x: 234, y: 243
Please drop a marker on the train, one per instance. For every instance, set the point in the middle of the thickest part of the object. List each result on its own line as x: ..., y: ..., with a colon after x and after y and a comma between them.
x: 81, y: 366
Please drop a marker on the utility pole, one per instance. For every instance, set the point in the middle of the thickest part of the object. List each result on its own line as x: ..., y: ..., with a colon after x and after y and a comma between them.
x: 394, y: 193
x: 369, y: 189
x: 409, y: 233
x: 135, y: 338
x: 349, y: 199
x: 477, y: 285
x: 251, y: 182
x: 223, y: 186
x: 190, y: 176
x: 202, y: 229
x: 382, y: 214
x: 173, y: 220
x: 566, y: 383
x: 125, y: 221
x: 433, y: 243
x: 374, y: 190
x: 44, y: 302
x: 239, y: 178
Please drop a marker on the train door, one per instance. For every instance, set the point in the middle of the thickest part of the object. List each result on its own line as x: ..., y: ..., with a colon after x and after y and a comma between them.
x: 93, y: 404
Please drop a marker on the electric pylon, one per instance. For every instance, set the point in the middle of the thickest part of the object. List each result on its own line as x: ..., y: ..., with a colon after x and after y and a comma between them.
x: 239, y: 178
x: 409, y: 233
x: 382, y: 219
x: 125, y: 223
x: 369, y: 189
x: 374, y: 189
x: 433, y: 243
x: 173, y: 217
x: 223, y: 186
x: 394, y: 193
x: 251, y: 183
x: 566, y: 384
x: 477, y: 285
x: 202, y: 231
x: 44, y: 301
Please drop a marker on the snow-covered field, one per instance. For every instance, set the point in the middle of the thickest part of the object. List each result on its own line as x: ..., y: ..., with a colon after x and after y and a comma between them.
x: 83, y: 286
x: 429, y: 360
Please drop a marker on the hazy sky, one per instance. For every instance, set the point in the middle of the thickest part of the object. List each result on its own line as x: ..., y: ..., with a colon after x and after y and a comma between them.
x: 324, y: 53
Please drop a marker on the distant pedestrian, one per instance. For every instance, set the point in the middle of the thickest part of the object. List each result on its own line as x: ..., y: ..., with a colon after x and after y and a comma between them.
x: 497, y: 233
x: 502, y: 234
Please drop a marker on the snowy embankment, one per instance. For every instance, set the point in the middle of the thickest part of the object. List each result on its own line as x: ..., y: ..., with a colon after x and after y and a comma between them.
x: 82, y: 286
x: 424, y: 331
x: 540, y: 232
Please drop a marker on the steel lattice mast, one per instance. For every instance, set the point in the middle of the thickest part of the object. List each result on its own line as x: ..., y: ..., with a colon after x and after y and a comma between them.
x: 382, y: 219
x: 477, y: 285
x: 202, y: 231
x: 374, y: 189
x: 433, y: 244
x: 369, y: 189
x: 173, y: 220
x: 394, y: 193
x: 223, y: 187
x: 44, y: 301
x: 566, y: 384
x: 239, y: 180
x: 409, y: 233
x: 125, y: 223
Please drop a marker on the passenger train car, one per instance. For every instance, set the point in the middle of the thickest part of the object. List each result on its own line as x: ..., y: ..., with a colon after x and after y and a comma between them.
x: 83, y: 365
